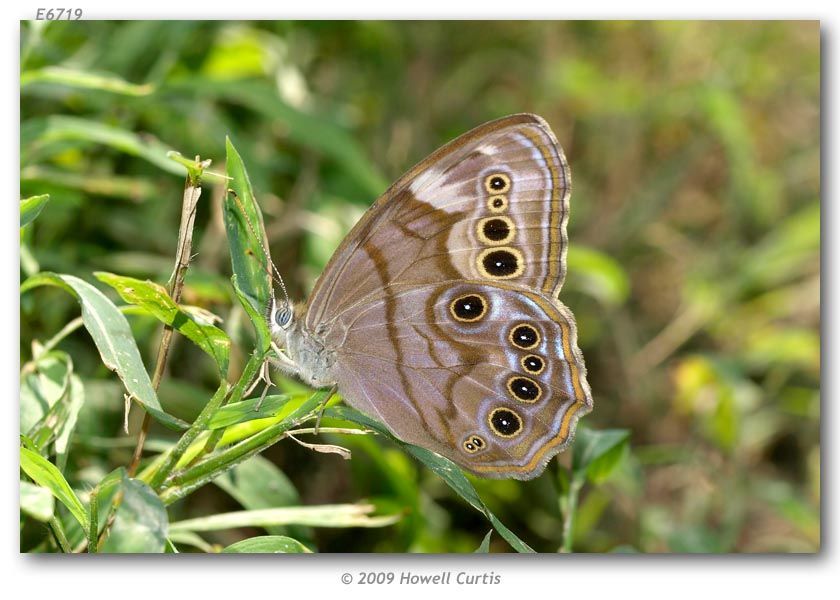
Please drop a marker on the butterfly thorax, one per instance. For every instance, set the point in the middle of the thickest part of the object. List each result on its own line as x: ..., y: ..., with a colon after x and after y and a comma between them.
x: 312, y: 358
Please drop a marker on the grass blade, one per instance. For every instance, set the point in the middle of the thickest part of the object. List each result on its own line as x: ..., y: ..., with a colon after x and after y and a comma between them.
x: 41, y: 137
x: 242, y: 412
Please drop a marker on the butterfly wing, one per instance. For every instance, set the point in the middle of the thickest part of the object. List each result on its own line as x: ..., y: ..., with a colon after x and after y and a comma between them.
x: 491, y: 204
x: 484, y: 374
x: 481, y: 221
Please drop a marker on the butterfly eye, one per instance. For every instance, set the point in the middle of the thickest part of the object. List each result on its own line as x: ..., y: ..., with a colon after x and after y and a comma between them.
x: 283, y: 316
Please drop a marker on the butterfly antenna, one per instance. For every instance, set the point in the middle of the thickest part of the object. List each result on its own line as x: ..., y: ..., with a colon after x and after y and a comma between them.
x: 272, y: 272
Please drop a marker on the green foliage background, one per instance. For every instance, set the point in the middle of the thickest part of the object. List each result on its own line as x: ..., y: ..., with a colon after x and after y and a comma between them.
x: 693, y: 262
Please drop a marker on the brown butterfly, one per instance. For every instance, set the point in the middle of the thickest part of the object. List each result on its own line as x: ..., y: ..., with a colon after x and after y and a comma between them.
x: 438, y: 314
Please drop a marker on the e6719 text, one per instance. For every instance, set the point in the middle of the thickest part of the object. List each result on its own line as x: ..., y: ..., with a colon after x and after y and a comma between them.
x: 57, y: 14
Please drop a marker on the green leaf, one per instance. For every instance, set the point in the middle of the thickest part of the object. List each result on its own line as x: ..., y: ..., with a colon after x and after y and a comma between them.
x: 76, y: 399
x: 43, y: 136
x: 791, y: 248
x: 240, y: 412
x: 328, y: 515
x: 258, y: 483
x: 47, y: 475
x: 106, y: 494
x: 155, y: 299
x: 36, y: 501
x: 190, y: 539
x: 598, y: 275
x: 724, y: 424
x: 484, y: 548
x: 598, y: 453
x: 141, y: 523
x: 113, y: 338
x: 132, y: 188
x: 41, y: 392
x: 83, y: 80
x: 257, y: 318
x: 443, y: 467
x: 31, y: 207
x: 267, y: 544
x: 310, y: 131
x: 246, y: 237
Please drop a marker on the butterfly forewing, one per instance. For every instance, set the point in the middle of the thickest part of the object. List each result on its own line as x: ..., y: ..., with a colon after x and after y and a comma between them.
x: 492, y: 204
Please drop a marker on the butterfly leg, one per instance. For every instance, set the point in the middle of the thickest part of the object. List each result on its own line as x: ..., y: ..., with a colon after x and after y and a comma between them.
x: 283, y: 362
x: 323, y: 407
x: 265, y: 378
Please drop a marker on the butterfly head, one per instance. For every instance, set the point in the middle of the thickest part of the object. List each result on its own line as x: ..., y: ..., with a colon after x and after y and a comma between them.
x: 284, y: 321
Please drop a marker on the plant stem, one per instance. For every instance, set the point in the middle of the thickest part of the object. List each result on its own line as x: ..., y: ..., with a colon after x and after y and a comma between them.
x: 252, y: 367
x: 60, y: 536
x: 93, y: 529
x: 210, y: 468
x: 199, y: 425
x: 192, y: 192
x: 205, y: 471
x: 571, y: 500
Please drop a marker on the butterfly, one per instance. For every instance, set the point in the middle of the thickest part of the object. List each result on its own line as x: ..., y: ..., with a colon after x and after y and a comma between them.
x: 438, y: 315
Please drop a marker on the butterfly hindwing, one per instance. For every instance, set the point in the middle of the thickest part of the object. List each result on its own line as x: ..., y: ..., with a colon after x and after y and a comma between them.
x: 484, y: 374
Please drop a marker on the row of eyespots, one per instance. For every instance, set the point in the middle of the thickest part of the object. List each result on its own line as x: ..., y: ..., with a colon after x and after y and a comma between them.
x: 506, y: 422
x: 499, y: 261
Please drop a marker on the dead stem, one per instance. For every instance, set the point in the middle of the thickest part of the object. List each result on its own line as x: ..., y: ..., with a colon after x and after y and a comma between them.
x: 192, y: 192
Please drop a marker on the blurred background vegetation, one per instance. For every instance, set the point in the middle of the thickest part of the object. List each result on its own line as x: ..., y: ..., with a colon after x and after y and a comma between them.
x: 694, y: 263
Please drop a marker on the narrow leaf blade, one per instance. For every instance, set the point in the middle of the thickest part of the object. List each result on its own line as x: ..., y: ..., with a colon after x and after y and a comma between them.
x: 246, y: 235
x: 36, y: 501
x: 154, y: 298
x: 329, y: 515
x: 141, y: 524
x: 113, y: 338
x: 443, y: 467
x: 47, y: 475
x: 31, y: 207
x: 268, y: 544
